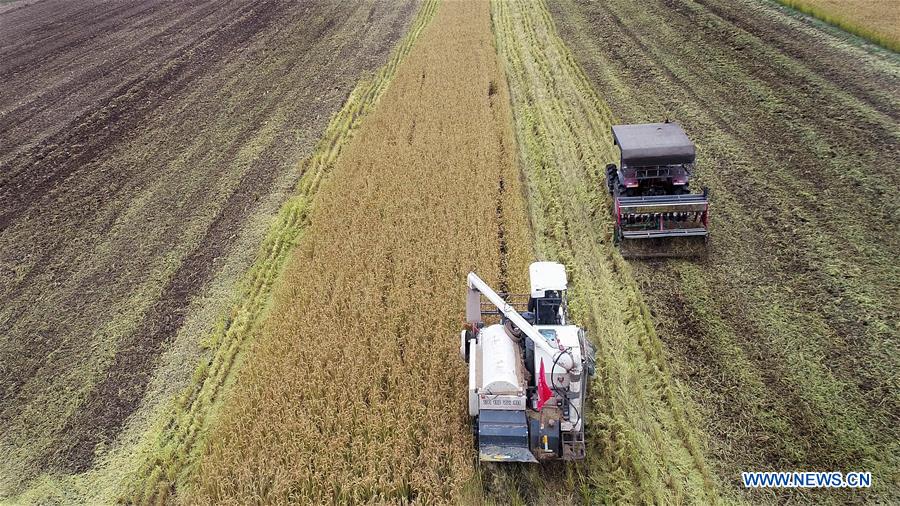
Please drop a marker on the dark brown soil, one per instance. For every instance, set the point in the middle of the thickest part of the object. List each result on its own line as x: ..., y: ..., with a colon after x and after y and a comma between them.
x: 139, y: 137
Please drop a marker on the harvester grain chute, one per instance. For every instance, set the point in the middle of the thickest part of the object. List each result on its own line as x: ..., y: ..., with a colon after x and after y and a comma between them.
x: 528, y: 371
x: 655, y: 212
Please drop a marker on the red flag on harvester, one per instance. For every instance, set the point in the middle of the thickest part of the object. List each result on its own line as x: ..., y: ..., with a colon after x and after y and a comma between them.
x: 544, y: 392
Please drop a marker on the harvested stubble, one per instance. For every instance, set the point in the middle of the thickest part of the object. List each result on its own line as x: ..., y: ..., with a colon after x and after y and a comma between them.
x: 643, y: 441
x: 785, y: 334
x: 354, y: 391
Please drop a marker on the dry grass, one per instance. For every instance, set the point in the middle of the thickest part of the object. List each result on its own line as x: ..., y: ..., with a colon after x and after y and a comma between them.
x: 875, y: 20
x: 354, y: 390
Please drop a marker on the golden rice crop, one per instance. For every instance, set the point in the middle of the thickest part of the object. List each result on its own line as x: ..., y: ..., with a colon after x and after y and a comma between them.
x: 354, y: 390
x: 876, y: 20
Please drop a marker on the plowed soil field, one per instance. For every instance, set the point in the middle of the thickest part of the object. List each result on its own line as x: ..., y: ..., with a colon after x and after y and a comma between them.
x: 145, y: 148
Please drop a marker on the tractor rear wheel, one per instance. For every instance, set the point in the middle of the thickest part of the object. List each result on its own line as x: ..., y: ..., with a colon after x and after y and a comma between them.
x: 612, y: 177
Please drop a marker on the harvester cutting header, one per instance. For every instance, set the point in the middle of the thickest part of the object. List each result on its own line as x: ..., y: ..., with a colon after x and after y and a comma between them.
x: 528, y: 373
x: 651, y: 186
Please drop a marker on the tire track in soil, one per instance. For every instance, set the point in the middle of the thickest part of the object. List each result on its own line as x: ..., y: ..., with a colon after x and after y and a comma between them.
x: 503, y: 281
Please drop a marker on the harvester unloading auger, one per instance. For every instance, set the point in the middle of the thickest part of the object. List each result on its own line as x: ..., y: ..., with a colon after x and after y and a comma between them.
x: 655, y: 213
x: 528, y: 373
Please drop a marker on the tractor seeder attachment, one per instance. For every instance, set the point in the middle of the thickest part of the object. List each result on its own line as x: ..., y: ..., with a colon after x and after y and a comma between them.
x: 652, y: 203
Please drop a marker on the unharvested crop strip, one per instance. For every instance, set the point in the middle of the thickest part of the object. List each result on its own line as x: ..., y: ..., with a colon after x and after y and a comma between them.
x: 643, y: 444
x: 846, y: 19
x: 353, y: 392
x: 172, y: 451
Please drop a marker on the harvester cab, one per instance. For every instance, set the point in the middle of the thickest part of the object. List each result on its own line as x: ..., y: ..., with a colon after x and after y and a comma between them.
x: 547, y: 300
x: 528, y: 372
x: 650, y: 190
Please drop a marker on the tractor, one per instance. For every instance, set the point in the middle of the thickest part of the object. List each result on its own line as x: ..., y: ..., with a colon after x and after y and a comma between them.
x: 650, y: 188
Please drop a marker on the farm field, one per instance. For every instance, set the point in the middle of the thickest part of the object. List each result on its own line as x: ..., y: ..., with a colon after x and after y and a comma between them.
x: 875, y: 20
x: 786, y: 336
x: 146, y: 149
x: 354, y: 391
x: 234, y: 239
x: 643, y: 444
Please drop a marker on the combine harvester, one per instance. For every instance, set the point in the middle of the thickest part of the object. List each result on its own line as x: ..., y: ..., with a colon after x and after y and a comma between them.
x: 528, y: 372
x: 652, y: 203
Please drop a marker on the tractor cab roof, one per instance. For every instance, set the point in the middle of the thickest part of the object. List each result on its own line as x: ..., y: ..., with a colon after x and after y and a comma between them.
x: 653, y: 144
